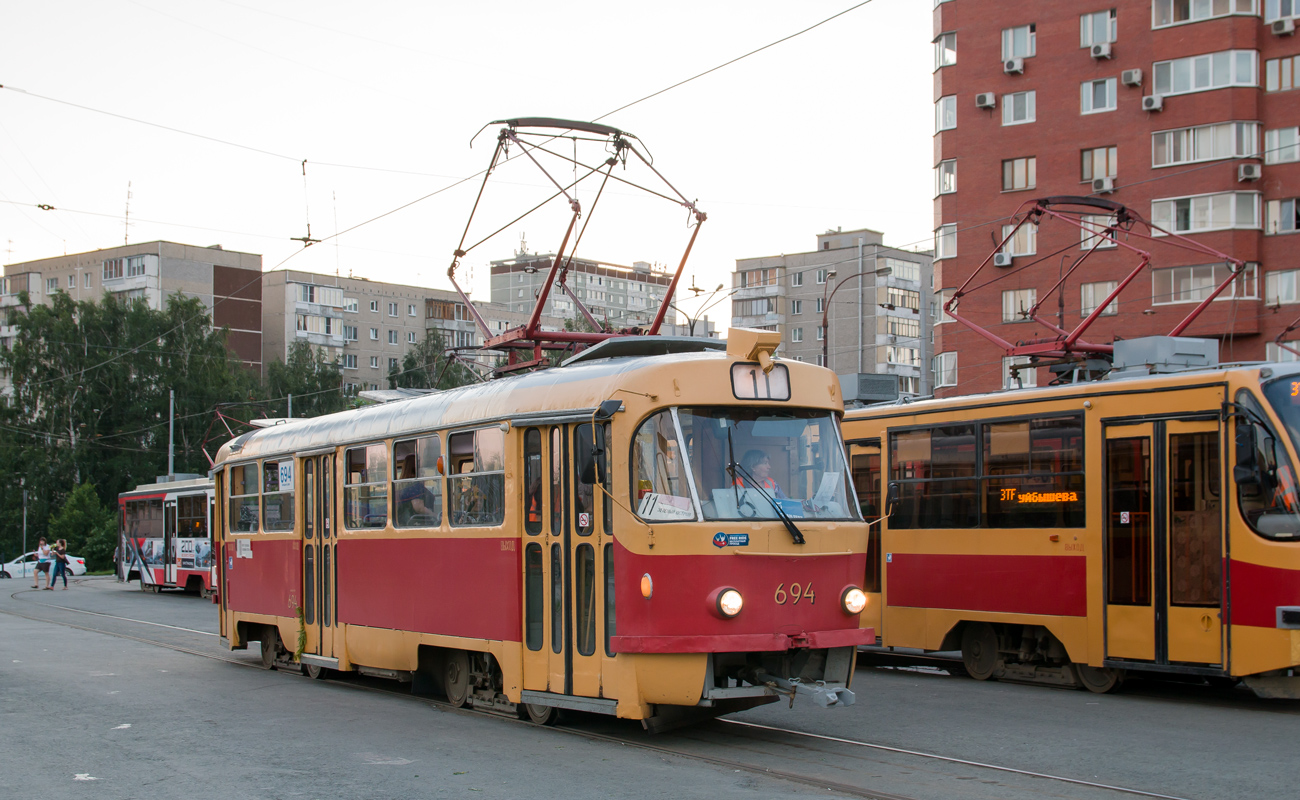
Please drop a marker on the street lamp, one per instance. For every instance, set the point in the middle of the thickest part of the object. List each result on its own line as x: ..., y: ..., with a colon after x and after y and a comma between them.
x: 709, y: 302
x: 826, y: 305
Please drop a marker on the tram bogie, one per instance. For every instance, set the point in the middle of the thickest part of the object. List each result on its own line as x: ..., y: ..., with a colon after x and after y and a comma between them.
x: 1076, y: 534
x: 588, y: 538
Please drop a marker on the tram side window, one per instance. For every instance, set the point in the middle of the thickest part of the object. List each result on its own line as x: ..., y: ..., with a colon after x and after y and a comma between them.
x: 533, y: 509
x: 244, y: 510
x: 1267, y: 490
x: 191, y: 511
x: 935, y: 470
x: 277, y: 495
x: 1033, y: 471
x: 478, y: 480
x: 557, y: 480
x: 662, y: 492
x: 365, y: 493
x: 417, y: 483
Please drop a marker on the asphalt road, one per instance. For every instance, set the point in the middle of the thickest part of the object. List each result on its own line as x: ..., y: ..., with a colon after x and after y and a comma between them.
x: 88, y: 714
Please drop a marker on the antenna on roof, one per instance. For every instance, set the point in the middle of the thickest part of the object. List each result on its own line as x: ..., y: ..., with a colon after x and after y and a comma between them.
x: 126, y: 220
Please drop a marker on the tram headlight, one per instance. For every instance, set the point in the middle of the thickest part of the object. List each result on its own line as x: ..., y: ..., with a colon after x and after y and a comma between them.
x: 730, y: 602
x: 647, y: 586
x: 853, y: 600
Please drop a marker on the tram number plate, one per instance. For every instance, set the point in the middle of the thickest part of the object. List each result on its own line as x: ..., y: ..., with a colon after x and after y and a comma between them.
x: 795, y: 593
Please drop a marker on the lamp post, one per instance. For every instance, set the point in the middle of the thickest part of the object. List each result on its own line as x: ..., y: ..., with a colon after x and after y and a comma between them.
x: 826, y: 305
x: 709, y: 302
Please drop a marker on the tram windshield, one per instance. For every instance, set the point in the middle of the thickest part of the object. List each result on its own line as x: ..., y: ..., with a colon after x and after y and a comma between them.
x: 1271, y: 504
x: 743, y: 464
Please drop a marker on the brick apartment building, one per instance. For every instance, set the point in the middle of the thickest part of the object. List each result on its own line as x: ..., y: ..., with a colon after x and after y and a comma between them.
x: 1182, y: 110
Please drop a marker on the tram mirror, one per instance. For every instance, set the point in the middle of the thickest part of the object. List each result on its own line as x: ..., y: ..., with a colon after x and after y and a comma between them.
x: 590, y: 454
x: 1247, y: 473
x: 891, y: 498
x: 608, y: 409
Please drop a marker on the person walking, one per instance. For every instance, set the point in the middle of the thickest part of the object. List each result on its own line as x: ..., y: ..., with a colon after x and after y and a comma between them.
x: 60, y: 565
x: 42, y: 565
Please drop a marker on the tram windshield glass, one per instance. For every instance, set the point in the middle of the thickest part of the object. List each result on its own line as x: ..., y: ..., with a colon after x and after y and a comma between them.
x: 743, y: 464
x: 1273, y: 506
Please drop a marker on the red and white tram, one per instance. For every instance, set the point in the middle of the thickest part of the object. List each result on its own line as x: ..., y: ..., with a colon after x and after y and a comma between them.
x: 599, y: 536
x: 164, y: 536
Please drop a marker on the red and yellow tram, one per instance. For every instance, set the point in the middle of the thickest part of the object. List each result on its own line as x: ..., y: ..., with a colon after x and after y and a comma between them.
x: 1078, y: 533
x: 590, y: 537
x: 164, y: 535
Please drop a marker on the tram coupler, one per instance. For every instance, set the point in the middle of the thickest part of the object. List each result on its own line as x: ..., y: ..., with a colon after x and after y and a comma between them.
x: 824, y: 694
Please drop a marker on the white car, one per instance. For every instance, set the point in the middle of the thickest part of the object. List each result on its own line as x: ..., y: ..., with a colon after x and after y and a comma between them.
x: 25, y: 566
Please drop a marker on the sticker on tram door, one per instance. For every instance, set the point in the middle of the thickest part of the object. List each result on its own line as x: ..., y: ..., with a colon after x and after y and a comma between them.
x: 584, y: 520
x: 721, y: 539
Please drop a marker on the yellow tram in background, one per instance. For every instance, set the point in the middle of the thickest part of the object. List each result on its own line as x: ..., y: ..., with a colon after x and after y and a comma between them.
x: 586, y: 537
x: 1077, y: 533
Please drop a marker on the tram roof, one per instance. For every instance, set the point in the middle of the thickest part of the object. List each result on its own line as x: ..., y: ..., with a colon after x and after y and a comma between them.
x: 573, y: 392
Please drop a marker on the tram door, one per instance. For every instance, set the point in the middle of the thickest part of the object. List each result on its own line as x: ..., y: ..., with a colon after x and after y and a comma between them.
x: 318, y: 554
x: 170, y: 557
x: 1164, y: 542
x: 865, y: 465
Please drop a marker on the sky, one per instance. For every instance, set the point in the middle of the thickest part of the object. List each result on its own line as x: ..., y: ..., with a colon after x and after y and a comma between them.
x: 831, y: 128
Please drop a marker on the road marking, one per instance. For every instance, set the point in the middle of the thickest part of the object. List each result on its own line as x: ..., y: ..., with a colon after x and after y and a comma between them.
x: 128, y: 619
x: 122, y: 727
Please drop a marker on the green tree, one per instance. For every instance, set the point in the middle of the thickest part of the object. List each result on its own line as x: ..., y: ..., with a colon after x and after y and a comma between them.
x: 426, y: 366
x: 313, y: 381
x: 89, y: 528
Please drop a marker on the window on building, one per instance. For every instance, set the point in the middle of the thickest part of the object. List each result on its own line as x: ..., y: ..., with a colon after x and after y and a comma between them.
x: 945, y: 113
x: 903, y: 326
x: 1017, y: 373
x: 796, y: 279
x: 113, y: 268
x: 1173, y: 12
x: 1280, y: 287
x: 350, y: 305
x: 944, y: 366
x: 374, y: 362
x: 1016, y: 304
x: 410, y: 311
x: 945, y: 177
x: 945, y: 50
x: 392, y: 309
x: 72, y: 281
x: 1279, y: 9
x: 821, y: 360
x: 821, y: 304
x: 821, y: 333
x: 1098, y: 162
x: 902, y: 298
x: 1277, y: 353
x: 392, y: 336
x: 374, y: 334
x: 899, y: 354
x: 748, y: 278
x: 1194, y: 284
x: 349, y: 361
x: 822, y: 276
x: 937, y: 312
x: 1204, y: 143
x: 1023, y: 243
x: 135, y: 266
x: 1281, y: 74
x: 903, y: 270
x: 350, y: 333
x: 1090, y: 226
x: 410, y: 337
x: 1282, y: 145
x: 1207, y: 212
x: 1019, y: 173
x: 1091, y: 294
x: 88, y: 279
x: 909, y: 384
x: 796, y: 335
x: 1097, y: 28
x: 796, y: 307
x: 51, y: 285
x: 1018, y: 108
x: 1282, y: 216
x: 1205, y: 72
x: 1097, y: 96
x: 392, y: 365
x: 374, y: 306
x: 945, y: 242
x: 1018, y: 42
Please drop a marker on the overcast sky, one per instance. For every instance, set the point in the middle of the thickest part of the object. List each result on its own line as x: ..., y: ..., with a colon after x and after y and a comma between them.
x: 830, y: 129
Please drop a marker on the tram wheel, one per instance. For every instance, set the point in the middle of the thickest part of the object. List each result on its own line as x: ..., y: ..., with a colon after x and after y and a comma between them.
x: 979, y: 650
x: 1100, y: 680
x: 270, y: 645
x: 540, y: 715
x: 316, y: 672
x: 455, y: 678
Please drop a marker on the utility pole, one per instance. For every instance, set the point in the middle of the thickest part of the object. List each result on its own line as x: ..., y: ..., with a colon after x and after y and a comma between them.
x: 171, y: 437
x: 23, y: 482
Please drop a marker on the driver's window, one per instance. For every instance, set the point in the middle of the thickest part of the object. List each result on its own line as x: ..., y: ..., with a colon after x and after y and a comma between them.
x: 417, y: 484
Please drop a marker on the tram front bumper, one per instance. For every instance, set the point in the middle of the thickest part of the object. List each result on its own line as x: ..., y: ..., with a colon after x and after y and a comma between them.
x: 823, y: 693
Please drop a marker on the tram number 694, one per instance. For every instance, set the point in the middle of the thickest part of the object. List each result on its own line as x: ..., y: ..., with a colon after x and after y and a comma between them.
x: 795, y: 594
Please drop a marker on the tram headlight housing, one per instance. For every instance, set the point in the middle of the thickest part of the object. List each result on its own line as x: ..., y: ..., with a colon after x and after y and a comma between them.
x: 726, y: 602
x: 647, y: 586
x: 853, y: 601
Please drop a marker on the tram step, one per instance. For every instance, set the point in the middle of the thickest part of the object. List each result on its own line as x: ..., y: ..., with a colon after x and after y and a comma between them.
x: 595, y: 705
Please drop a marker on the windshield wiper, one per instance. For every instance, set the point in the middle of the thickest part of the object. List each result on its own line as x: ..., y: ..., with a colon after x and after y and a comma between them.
x: 735, y: 468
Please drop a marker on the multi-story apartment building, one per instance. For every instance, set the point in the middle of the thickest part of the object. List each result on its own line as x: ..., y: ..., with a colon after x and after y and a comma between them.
x: 228, y: 282
x: 853, y: 305
x: 366, y: 326
x: 1184, y: 111
x: 625, y: 296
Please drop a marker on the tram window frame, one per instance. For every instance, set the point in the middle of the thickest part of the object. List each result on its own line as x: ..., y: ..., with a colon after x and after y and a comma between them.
x: 1259, y: 509
x: 272, y: 488
x: 187, y: 516
x: 239, y: 521
x: 476, y: 472
x: 584, y: 494
x: 656, y: 438
x: 557, y: 598
x: 955, y: 490
x: 611, y: 618
x: 534, y: 503
x: 424, y: 453
x: 360, y: 464
x: 534, y: 596
x: 584, y: 599
x: 557, y: 480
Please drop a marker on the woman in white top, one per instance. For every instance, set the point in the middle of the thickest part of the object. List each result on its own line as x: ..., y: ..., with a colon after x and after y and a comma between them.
x: 42, y: 565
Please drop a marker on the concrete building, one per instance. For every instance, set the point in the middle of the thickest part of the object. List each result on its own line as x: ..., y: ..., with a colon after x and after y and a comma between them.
x: 854, y: 305
x: 228, y: 282
x: 1182, y: 110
